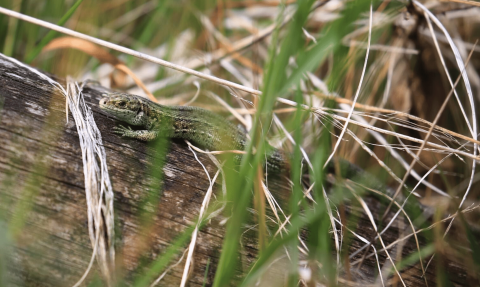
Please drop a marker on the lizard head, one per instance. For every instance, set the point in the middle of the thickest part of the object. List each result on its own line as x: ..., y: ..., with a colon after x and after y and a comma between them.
x: 125, y: 107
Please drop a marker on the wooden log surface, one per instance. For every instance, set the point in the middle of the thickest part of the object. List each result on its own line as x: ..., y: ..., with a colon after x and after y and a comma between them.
x: 41, y: 179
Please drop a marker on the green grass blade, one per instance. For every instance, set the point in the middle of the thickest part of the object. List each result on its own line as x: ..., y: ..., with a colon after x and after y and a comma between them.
x: 413, y: 258
x: 297, y: 193
x: 9, y: 44
x: 145, y: 279
x: 329, y: 42
x: 240, y: 193
x: 51, y: 34
x: 297, y: 222
x: 206, y: 273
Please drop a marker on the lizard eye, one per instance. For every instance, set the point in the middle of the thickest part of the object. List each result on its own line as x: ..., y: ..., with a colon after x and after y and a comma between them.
x: 122, y: 104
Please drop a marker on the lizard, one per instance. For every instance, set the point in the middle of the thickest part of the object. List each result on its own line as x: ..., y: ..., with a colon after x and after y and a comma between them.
x: 204, y: 128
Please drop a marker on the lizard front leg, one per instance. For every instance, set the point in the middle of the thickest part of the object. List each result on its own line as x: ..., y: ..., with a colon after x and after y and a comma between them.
x: 144, y: 135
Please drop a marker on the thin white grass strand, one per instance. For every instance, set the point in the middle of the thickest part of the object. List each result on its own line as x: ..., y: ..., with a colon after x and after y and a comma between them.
x: 274, y: 206
x: 168, y: 269
x: 334, y: 228
x: 196, y: 84
x: 370, y: 216
x: 201, y: 214
x: 364, y: 240
x: 383, y: 48
x: 230, y: 109
x: 290, y: 138
x: 358, y: 89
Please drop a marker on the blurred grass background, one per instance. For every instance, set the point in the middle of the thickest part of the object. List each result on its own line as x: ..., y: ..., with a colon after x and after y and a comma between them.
x: 331, y: 47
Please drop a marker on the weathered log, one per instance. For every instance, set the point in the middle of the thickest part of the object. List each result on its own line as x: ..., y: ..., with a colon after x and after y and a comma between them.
x: 41, y: 178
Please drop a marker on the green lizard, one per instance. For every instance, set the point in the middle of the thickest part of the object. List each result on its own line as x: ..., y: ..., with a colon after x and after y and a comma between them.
x: 205, y: 129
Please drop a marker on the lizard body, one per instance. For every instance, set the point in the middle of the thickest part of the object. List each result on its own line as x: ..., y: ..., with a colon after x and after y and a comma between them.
x: 204, y: 128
